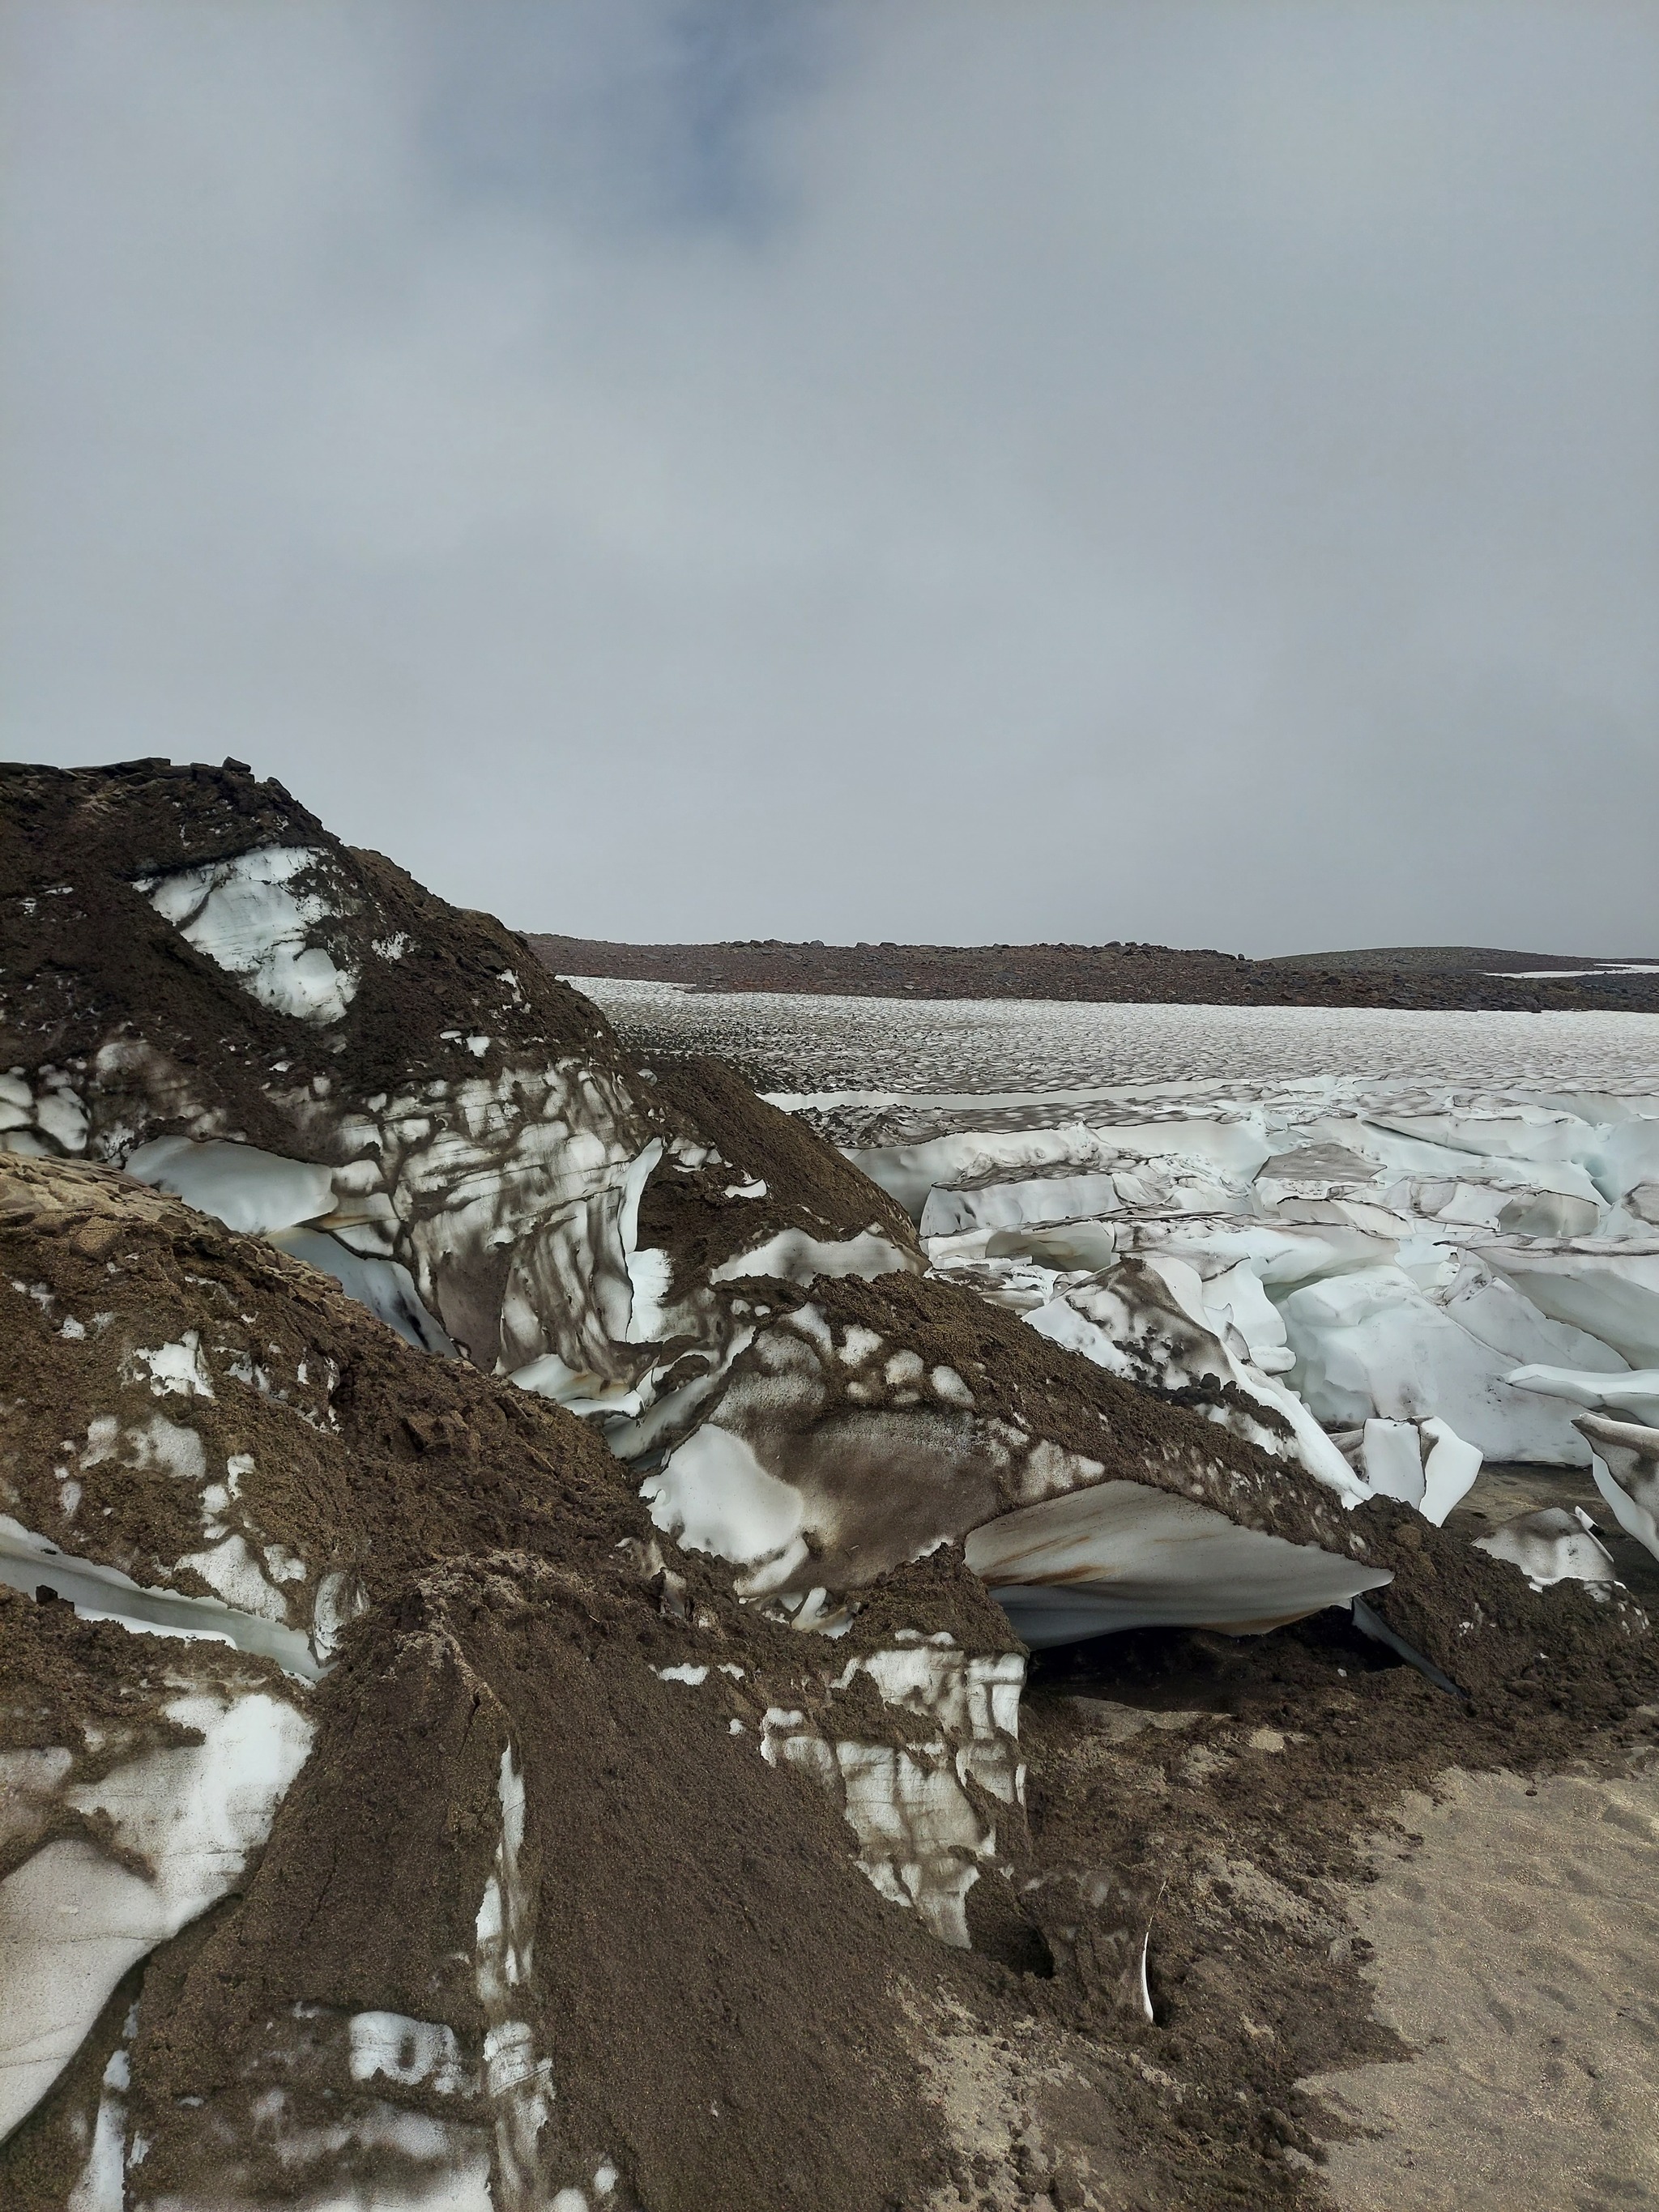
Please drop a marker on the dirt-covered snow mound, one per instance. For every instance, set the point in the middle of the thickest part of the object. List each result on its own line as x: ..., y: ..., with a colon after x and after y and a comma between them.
x: 203, y: 986
x: 500, y: 1904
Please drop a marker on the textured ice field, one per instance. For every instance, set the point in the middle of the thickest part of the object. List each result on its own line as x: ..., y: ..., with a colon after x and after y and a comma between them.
x: 1414, y: 1239
x: 808, y: 1044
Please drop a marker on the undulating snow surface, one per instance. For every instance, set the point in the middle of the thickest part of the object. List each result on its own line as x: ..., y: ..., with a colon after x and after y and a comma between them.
x: 904, y: 1048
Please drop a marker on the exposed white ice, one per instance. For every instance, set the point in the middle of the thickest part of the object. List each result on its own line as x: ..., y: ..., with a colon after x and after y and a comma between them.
x: 518, y: 2081
x: 713, y: 1495
x: 1411, y: 1245
x: 385, y: 1287
x: 877, y: 1050
x: 300, y: 1206
x: 28, y: 1562
x: 1123, y: 1555
x: 176, y: 1368
x: 44, y: 1116
x: 98, y: 2186
x: 1625, y: 1467
x: 248, y: 916
x: 795, y: 1257
x: 1635, y: 1395
x: 414, y: 2053
x: 73, y: 1917
x: 246, y: 1189
x: 1448, y: 1471
x: 921, y: 1841
x: 1550, y: 1546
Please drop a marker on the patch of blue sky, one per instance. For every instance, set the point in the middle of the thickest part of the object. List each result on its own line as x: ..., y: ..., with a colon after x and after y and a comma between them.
x: 653, y: 115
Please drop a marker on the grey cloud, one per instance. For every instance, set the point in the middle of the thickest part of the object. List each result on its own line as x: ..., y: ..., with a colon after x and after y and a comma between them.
x: 1169, y: 472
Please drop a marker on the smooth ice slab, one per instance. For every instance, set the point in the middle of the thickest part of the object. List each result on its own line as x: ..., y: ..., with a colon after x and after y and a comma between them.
x: 1636, y: 1392
x: 1121, y: 1555
x: 247, y: 1189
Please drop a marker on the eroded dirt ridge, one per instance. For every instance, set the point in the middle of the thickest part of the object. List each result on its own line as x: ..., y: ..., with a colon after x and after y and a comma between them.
x: 417, y: 1794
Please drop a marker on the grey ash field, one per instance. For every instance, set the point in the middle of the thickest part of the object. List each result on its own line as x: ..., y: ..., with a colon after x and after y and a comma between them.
x: 1058, y: 1618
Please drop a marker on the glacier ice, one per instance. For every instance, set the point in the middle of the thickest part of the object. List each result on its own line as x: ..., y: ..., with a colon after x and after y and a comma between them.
x: 1363, y: 1253
x: 1634, y: 1393
x: 1550, y: 1546
x: 922, y: 1810
x: 29, y: 1562
x: 246, y: 1189
x: 192, y: 1812
x: 1625, y: 1467
x: 1121, y: 1555
x: 256, y: 916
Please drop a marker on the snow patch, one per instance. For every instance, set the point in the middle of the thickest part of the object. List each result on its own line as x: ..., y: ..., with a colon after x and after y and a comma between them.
x: 247, y: 916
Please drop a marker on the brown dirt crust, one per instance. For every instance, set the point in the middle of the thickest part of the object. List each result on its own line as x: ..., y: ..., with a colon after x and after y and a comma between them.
x: 704, y: 1938
x: 705, y: 1941
x: 87, y: 959
x: 1023, y: 1379
x: 88, y: 965
x: 1119, y: 974
x: 1231, y: 1785
x: 723, y: 1945
x: 809, y: 1184
x: 713, y: 1974
x: 366, y: 1456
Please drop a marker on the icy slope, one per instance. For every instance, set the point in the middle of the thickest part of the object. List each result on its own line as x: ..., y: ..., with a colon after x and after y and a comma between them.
x: 459, y: 1142
x: 200, y: 984
x: 414, y: 1910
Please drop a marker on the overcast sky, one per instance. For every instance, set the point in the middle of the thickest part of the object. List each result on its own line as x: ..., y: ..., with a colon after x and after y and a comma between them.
x: 706, y: 468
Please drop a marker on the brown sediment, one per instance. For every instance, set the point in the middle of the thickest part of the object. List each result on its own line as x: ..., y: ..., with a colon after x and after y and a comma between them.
x: 366, y: 1456
x: 809, y: 1184
x: 716, y: 1985
x: 89, y: 959
x: 712, y: 1975
x: 704, y: 1937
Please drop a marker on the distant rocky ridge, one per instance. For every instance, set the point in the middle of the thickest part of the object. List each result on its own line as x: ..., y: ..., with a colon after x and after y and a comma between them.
x: 1448, y: 976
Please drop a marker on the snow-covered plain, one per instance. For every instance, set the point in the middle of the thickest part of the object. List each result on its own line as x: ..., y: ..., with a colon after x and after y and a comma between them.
x: 808, y: 1044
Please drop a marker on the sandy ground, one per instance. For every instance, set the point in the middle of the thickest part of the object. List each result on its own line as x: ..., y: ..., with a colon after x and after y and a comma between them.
x: 1516, y: 1950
